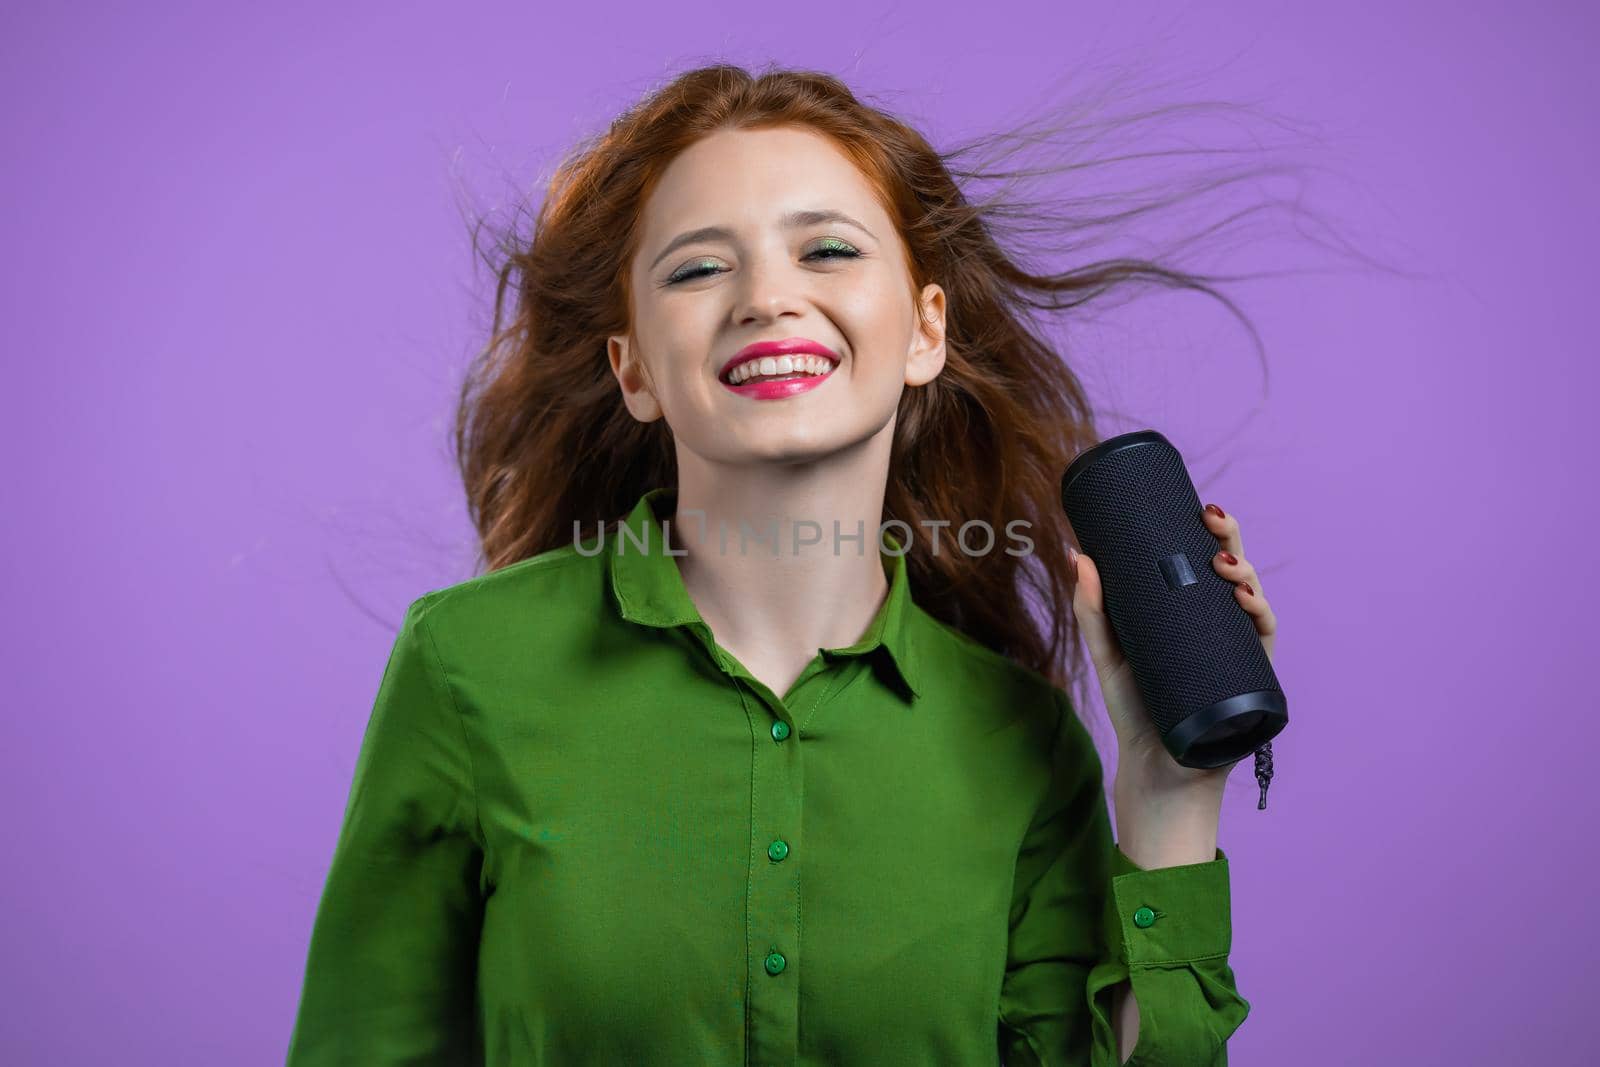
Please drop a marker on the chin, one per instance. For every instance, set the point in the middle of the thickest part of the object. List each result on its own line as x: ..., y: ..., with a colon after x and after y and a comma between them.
x: 776, y: 448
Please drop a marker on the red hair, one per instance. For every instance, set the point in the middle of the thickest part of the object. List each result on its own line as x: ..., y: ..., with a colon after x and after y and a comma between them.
x: 543, y: 440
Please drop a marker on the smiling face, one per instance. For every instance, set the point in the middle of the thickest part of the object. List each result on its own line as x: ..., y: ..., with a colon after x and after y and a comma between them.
x: 805, y: 254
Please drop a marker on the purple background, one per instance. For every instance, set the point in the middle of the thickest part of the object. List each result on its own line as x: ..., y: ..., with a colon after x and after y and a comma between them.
x: 239, y: 295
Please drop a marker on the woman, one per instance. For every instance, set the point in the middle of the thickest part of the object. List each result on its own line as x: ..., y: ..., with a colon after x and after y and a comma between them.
x: 746, y: 777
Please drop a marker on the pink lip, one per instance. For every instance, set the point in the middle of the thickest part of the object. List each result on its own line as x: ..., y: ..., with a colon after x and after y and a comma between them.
x: 788, y: 346
x: 775, y: 390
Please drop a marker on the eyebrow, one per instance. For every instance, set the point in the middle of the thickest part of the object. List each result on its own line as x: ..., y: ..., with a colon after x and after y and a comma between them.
x: 793, y: 220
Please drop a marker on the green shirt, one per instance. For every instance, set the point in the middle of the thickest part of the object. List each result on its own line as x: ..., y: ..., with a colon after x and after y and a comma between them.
x: 580, y: 832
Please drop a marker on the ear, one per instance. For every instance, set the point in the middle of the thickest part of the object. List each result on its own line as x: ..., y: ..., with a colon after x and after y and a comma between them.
x: 634, y: 378
x: 926, y: 358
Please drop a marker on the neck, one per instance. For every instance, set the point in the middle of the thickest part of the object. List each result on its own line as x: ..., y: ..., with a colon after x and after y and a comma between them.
x: 789, y: 586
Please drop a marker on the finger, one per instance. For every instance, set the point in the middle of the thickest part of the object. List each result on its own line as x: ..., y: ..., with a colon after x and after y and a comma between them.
x: 1088, y: 606
x: 1260, y: 612
x: 1225, y: 527
x: 1236, y: 569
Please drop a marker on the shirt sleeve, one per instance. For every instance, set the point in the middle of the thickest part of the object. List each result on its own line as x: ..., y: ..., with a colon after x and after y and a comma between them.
x: 391, y: 965
x: 1084, y: 917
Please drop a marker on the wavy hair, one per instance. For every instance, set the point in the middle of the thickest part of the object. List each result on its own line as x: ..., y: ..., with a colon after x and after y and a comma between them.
x: 988, y: 438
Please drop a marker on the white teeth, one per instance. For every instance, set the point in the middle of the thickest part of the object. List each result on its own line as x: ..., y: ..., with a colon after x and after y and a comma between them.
x: 778, y: 365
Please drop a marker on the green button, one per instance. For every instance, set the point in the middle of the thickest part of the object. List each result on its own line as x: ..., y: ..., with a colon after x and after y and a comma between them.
x: 1143, y: 917
x: 775, y: 962
x: 778, y: 849
x: 780, y: 730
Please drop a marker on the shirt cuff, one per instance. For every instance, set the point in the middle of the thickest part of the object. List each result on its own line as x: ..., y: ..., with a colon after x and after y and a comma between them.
x: 1168, y: 914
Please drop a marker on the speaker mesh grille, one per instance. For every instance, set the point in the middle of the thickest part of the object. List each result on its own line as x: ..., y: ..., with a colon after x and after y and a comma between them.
x: 1188, y: 648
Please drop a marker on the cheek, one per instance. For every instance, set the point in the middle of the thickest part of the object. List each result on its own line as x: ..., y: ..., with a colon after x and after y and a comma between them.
x: 676, y: 352
x: 875, y: 317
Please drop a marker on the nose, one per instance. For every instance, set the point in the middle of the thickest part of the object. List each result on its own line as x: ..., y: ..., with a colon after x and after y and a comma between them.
x: 768, y: 291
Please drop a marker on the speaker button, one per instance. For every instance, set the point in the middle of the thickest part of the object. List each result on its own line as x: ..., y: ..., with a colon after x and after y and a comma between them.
x: 1176, y: 570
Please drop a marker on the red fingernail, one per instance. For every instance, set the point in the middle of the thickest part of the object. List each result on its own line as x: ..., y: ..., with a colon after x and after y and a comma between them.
x: 1230, y: 557
x: 1220, y: 513
x: 1247, y: 588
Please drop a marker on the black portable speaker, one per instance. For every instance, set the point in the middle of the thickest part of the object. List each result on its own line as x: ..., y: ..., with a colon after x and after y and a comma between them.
x: 1194, y: 652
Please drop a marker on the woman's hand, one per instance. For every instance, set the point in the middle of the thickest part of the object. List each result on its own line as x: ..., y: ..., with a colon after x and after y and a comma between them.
x: 1140, y: 750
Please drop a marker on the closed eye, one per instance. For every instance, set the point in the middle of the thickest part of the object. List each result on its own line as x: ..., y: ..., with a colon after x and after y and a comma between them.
x: 837, y: 250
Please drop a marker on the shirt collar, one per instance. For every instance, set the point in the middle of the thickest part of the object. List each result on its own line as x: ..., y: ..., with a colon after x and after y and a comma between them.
x: 648, y: 587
